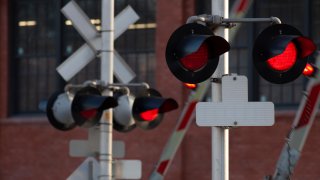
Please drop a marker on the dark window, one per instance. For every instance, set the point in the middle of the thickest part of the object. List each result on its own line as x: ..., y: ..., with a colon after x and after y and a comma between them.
x: 41, y: 39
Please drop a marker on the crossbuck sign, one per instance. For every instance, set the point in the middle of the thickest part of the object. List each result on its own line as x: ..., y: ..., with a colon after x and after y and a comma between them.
x: 88, y: 51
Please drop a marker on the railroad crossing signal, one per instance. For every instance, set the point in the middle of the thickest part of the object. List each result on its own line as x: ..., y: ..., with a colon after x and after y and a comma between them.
x: 145, y: 111
x: 193, y: 52
x: 83, y: 108
x: 148, y: 110
x: 88, y: 51
x: 280, y: 53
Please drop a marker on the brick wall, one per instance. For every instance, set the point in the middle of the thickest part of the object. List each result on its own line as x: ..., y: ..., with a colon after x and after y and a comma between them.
x: 31, y: 149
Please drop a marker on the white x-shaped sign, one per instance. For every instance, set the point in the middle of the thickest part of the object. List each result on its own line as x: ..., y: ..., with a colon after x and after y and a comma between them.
x: 88, y: 51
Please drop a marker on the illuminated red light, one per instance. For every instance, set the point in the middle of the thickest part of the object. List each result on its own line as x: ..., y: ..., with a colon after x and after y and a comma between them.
x: 308, y: 70
x: 150, y: 114
x: 90, y: 113
x: 190, y: 86
x: 196, y: 60
x: 285, y: 60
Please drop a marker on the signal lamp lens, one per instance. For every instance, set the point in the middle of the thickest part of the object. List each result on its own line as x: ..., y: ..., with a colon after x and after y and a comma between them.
x: 285, y: 60
x: 150, y: 114
x: 308, y: 70
x: 196, y: 60
x: 190, y: 86
x: 89, y: 113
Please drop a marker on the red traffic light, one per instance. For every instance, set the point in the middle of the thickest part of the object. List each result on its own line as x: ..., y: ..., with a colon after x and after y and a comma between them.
x: 149, y: 115
x: 196, y: 60
x: 193, y: 51
x: 285, y: 60
x: 280, y: 53
x: 88, y: 104
x: 148, y: 110
x: 310, y: 70
x: 145, y: 111
x: 190, y: 86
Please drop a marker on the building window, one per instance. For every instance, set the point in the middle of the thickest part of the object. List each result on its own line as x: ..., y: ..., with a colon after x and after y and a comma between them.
x: 41, y: 38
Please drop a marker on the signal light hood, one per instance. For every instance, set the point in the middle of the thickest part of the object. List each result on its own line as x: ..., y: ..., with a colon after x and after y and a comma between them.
x: 193, y: 51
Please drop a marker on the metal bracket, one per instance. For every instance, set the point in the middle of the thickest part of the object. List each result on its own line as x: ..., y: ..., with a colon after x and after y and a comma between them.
x: 101, y: 85
x: 215, y: 21
x: 216, y: 80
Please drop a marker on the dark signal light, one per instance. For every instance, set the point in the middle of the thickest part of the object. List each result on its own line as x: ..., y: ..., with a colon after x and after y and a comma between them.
x: 89, y: 114
x: 83, y: 108
x: 59, y: 111
x: 123, y: 120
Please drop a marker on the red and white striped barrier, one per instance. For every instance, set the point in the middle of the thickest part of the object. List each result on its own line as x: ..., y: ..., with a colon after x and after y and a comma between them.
x: 302, y: 123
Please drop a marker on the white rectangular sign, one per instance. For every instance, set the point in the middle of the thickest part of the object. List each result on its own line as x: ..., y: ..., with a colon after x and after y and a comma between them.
x: 235, y: 114
x: 234, y: 110
x: 89, y: 169
x: 128, y: 169
x: 234, y: 88
x: 82, y: 148
x: 123, y: 169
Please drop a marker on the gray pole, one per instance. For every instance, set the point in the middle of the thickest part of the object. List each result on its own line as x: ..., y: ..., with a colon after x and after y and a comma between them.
x: 220, y: 135
x: 107, y: 36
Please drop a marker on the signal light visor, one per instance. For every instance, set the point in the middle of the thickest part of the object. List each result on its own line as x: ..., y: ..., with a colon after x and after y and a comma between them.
x: 193, y: 51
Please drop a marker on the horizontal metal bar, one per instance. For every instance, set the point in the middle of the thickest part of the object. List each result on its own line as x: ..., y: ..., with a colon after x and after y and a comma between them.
x: 217, y: 20
x: 252, y: 20
x: 72, y: 88
x: 131, y: 84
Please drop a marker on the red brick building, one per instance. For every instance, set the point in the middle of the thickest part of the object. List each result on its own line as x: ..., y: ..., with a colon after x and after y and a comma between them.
x: 31, y: 149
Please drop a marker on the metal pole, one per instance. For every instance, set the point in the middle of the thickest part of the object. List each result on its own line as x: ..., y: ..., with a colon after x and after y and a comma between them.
x: 220, y: 136
x: 107, y: 36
